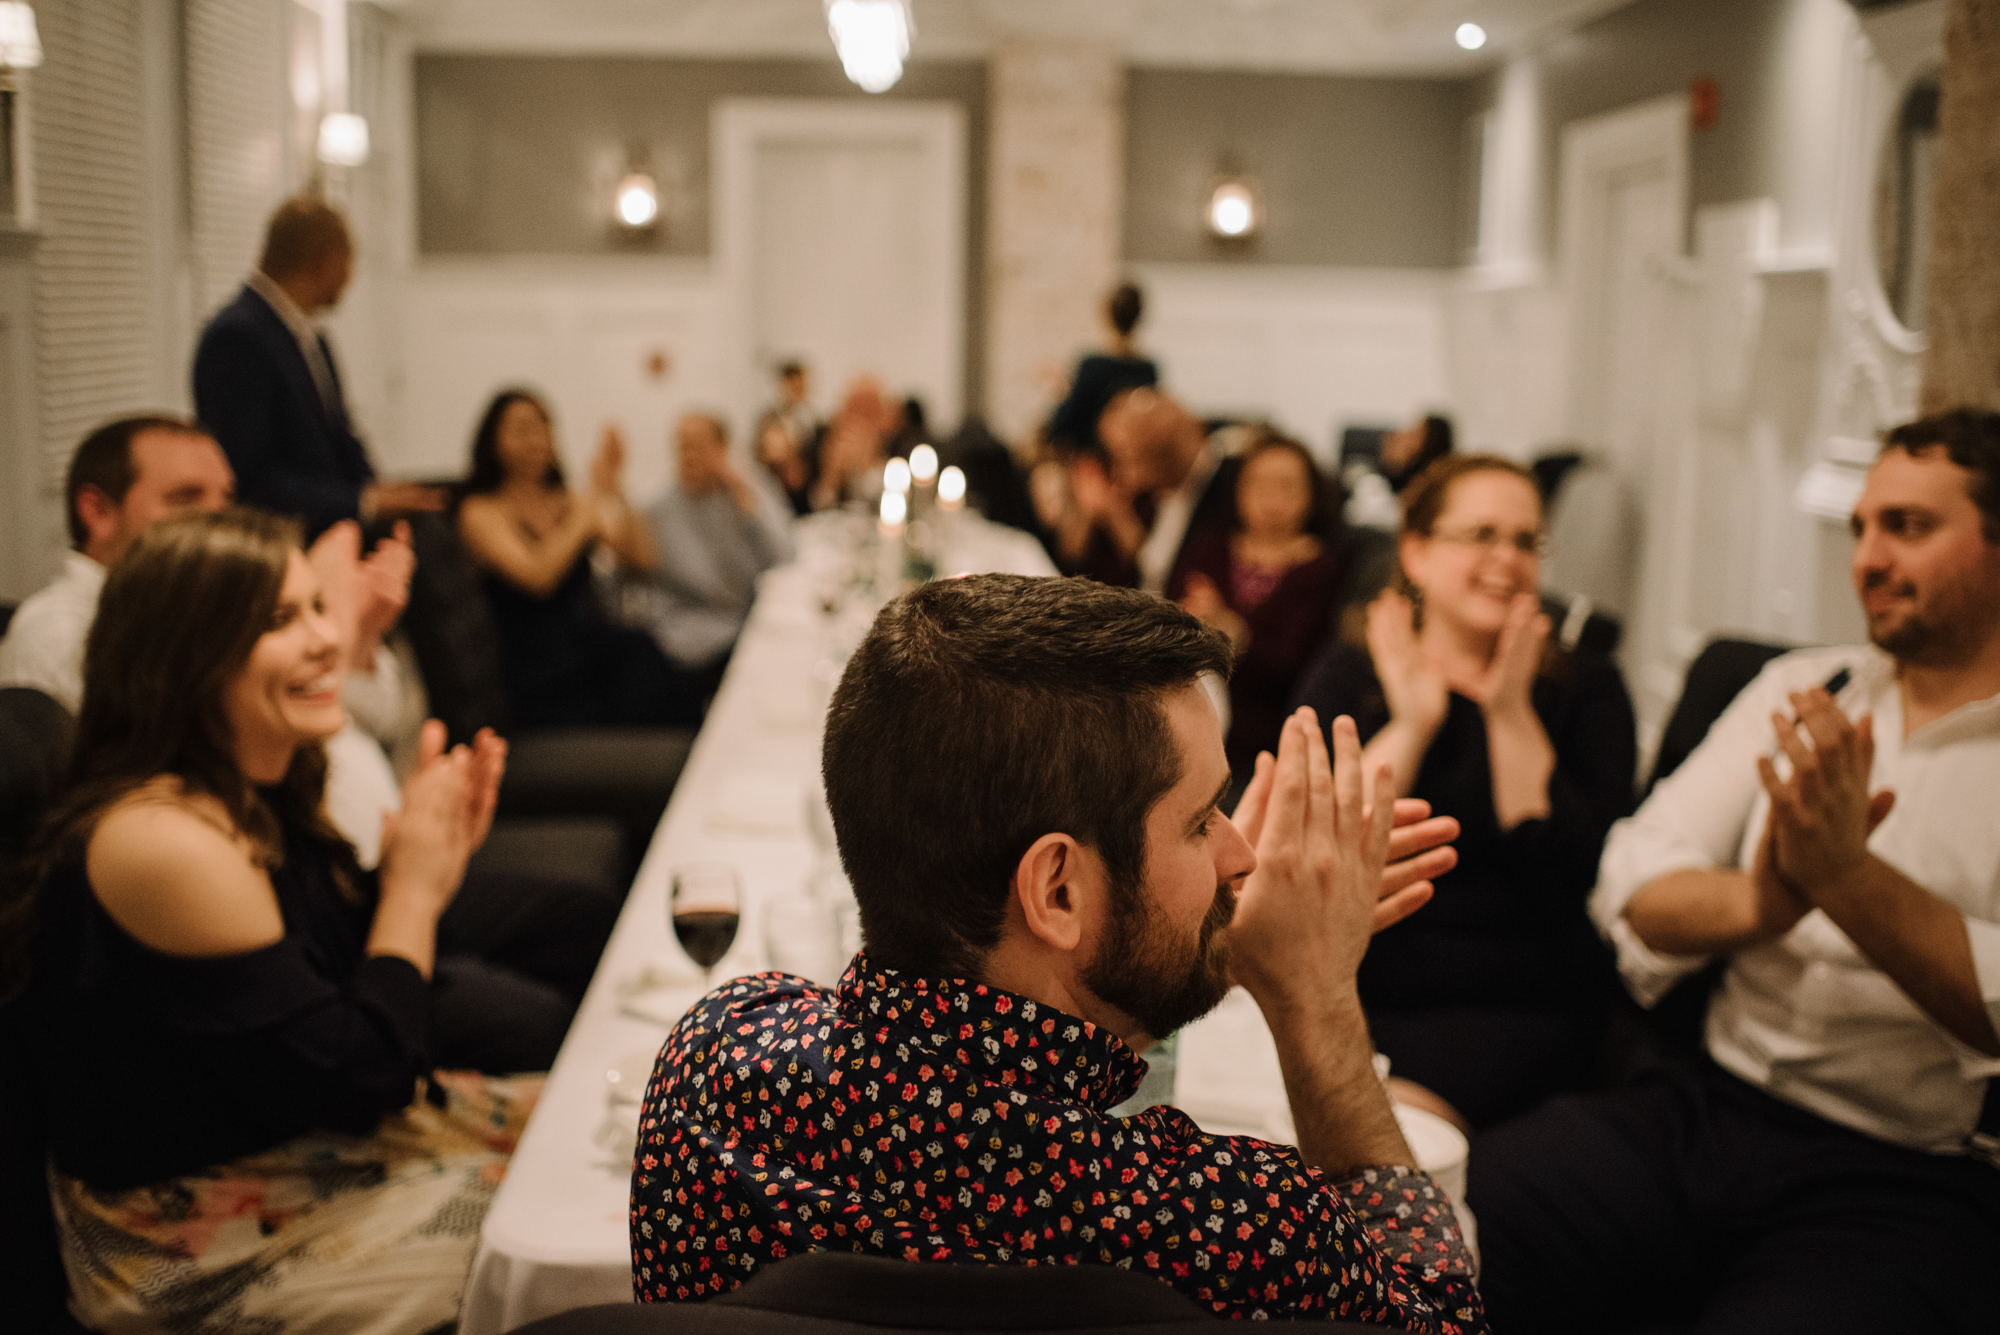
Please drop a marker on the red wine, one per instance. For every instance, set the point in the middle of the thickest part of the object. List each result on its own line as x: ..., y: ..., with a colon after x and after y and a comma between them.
x: 706, y: 934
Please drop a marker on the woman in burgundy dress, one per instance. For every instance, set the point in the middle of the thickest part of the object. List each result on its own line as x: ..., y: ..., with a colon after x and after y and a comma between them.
x: 1267, y: 582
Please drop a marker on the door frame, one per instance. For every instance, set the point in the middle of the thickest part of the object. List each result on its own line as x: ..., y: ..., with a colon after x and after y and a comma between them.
x: 739, y: 127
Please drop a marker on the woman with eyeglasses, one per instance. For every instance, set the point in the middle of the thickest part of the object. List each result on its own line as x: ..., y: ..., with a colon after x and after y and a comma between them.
x: 1494, y: 995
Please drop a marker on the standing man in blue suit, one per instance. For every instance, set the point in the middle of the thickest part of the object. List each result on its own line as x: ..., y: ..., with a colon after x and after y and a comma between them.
x: 265, y: 382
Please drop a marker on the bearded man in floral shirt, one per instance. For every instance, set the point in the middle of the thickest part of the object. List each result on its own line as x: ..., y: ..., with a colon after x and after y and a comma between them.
x: 1025, y: 778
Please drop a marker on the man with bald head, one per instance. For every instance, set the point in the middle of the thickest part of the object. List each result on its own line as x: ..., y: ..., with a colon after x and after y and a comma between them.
x: 1161, y: 481
x: 266, y: 384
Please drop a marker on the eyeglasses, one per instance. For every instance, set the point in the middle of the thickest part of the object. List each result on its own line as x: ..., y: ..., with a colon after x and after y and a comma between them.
x: 1486, y: 537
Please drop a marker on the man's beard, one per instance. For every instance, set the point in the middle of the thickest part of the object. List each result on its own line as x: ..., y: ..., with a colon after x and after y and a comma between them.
x: 1160, y: 982
x: 1919, y: 636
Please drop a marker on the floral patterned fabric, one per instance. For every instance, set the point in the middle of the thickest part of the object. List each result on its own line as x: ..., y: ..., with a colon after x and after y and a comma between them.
x: 947, y: 1120
x: 361, y: 1235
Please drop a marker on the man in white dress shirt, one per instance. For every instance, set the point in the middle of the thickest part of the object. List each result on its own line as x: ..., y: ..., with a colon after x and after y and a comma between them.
x: 122, y: 478
x: 1831, y: 1164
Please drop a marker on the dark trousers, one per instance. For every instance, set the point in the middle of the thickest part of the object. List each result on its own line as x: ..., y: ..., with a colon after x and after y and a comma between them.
x: 515, y: 954
x: 1691, y: 1201
x: 1492, y: 1063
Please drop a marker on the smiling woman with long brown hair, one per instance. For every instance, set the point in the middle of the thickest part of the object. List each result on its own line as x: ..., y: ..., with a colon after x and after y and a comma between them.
x: 230, y: 1017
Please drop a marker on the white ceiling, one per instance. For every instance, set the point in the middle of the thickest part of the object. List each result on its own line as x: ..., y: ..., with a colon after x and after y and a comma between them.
x: 1344, y: 36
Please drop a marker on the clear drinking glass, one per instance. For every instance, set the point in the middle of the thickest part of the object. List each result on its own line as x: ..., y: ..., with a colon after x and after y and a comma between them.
x: 706, y: 907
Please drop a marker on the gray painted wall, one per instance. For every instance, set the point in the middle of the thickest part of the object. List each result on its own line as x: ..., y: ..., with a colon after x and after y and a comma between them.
x: 1353, y: 171
x: 519, y: 155
x: 1763, y: 55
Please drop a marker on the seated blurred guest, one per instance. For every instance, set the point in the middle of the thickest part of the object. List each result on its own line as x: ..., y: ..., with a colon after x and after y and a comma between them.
x: 793, y: 405
x: 1268, y: 582
x: 853, y: 448
x: 265, y: 381
x: 1373, y: 485
x: 912, y: 428
x: 566, y: 663
x: 1025, y: 778
x: 1160, y: 482
x: 787, y: 458
x: 713, y: 533
x: 1494, y: 997
x: 1832, y: 839
x: 224, y: 1007
x: 1101, y: 376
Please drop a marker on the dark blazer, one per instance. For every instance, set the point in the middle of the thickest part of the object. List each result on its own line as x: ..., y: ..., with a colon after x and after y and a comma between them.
x: 252, y: 388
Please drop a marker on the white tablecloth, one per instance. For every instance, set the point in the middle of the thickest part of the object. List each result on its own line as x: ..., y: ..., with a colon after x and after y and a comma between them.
x: 556, y: 1237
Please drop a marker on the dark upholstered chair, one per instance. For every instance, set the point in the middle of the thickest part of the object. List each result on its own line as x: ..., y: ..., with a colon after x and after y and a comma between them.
x: 1716, y: 677
x: 35, y: 738
x: 839, y: 1293
x: 625, y: 774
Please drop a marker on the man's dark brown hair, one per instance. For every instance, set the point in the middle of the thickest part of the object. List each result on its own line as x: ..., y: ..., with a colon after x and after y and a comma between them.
x: 981, y: 714
x: 1970, y: 438
x: 303, y: 231
x: 104, y: 461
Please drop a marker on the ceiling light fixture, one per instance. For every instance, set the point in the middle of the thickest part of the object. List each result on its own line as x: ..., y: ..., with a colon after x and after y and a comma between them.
x: 872, y: 38
x: 637, y: 202
x: 343, y: 139
x: 20, y: 42
x: 1234, y: 212
x: 1470, y: 36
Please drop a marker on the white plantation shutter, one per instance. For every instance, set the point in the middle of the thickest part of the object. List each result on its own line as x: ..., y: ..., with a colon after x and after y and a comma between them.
x: 94, y: 353
x: 237, y: 106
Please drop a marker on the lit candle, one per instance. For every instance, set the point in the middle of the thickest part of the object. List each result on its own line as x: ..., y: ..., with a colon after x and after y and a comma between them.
x: 951, y: 488
x: 895, y: 508
x: 923, y: 465
x: 896, y: 478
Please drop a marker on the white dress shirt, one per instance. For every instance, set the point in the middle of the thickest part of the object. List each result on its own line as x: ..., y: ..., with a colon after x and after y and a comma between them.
x: 1171, y: 520
x: 44, y: 644
x: 1807, y: 1017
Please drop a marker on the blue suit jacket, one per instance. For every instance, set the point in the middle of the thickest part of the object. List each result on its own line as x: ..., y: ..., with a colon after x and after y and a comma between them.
x: 252, y: 388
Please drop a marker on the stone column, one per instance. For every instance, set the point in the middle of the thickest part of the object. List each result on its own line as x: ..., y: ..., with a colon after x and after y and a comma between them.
x: 1962, y: 363
x: 1055, y: 200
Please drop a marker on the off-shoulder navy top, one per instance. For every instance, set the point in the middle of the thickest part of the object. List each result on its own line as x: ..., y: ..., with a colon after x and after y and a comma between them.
x: 153, y: 1066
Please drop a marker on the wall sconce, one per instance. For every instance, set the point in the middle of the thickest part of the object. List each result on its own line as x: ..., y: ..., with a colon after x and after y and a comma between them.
x: 872, y: 38
x: 1235, y: 210
x: 20, y: 42
x: 637, y: 202
x: 343, y: 139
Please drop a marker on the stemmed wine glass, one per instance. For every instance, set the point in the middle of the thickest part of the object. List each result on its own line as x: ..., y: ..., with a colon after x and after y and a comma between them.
x: 706, y: 907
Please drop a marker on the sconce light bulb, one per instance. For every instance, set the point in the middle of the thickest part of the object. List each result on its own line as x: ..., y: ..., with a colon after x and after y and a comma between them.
x: 896, y: 476
x: 924, y: 464
x: 1232, y: 210
x: 638, y: 200
x: 343, y: 139
x: 1470, y: 36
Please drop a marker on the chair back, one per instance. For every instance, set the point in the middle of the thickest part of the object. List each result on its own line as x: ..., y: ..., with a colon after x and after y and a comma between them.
x: 841, y: 1293
x: 1716, y: 677
x: 36, y: 735
x: 453, y: 633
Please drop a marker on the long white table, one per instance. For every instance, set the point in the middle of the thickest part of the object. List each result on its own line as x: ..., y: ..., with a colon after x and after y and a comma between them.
x: 556, y: 1237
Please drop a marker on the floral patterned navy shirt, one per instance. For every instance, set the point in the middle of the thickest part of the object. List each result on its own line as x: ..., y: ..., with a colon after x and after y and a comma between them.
x: 950, y: 1121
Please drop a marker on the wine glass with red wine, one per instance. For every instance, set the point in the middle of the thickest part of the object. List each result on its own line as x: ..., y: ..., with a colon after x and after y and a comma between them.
x: 706, y: 906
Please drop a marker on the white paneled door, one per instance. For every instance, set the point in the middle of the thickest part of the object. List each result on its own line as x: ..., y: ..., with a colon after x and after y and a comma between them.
x: 840, y: 239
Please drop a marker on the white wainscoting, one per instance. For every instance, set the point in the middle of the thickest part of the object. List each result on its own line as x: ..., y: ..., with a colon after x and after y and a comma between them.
x: 584, y: 334
x: 1314, y: 349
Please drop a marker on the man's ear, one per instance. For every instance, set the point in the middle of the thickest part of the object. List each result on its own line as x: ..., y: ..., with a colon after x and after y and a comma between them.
x: 98, y: 513
x: 1051, y: 886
